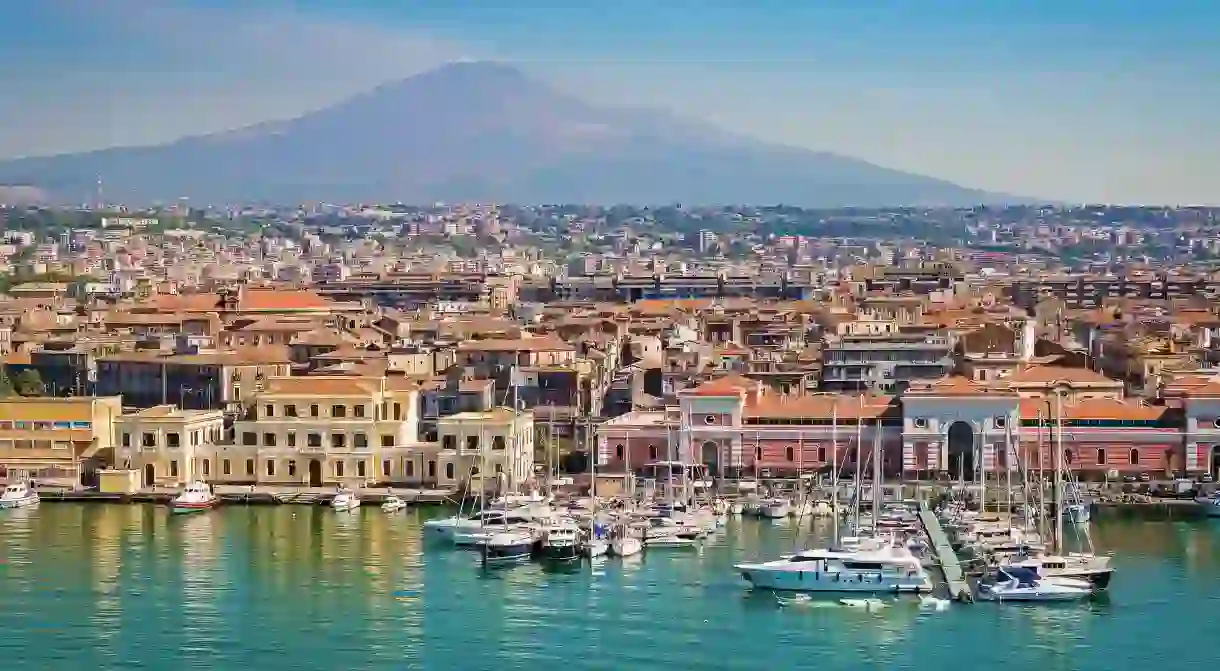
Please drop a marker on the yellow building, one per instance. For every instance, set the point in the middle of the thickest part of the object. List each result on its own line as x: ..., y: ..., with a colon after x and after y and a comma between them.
x: 497, y: 442
x: 56, y: 440
x: 167, y: 445
x: 326, y: 431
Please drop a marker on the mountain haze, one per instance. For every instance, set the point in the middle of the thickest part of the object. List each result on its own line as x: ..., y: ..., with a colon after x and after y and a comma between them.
x: 481, y: 132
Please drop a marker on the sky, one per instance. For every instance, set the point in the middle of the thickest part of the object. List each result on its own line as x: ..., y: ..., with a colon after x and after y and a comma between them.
x: 1071, y: 100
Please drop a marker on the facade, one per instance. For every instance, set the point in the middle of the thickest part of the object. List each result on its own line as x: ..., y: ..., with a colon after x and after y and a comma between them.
x: 886, y: 363
x: 199, y: 381
x: 56, y: 440
x: 498, y: 443
x: 171, y: 447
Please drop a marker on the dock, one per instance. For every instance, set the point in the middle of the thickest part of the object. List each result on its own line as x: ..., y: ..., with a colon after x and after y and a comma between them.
x: 946, y: 558
x: 246, y: 495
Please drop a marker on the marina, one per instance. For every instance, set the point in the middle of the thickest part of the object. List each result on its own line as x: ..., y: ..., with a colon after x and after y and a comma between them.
x: 366, y: 590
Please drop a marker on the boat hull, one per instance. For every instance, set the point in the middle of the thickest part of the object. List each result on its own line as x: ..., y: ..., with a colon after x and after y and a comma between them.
x: 570, y: 552
x: 625, y: 547
x: 1036, y: 596
x: 24, y: 502
x: 506, y: 555
x: 177, y: 508
x: 812, y: 581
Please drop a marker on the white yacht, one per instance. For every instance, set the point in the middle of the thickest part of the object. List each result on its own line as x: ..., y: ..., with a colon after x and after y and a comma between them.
x: 345, y: 501
x: 626, y: 546
x: 18, y: 495
x: 450, y: 528
x: 513, y: 546
x: 874, y: 570
x: 561, y: 541
x: 1210, y: 504
x: 1018, y: 584
x: 775, y: 509
x: 393, y: 504
x: 1093, y: 569
x: 197, y: 497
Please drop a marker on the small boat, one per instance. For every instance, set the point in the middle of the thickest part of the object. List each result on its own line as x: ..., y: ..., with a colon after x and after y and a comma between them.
x: 864, y: 604
x: 561, y: 542
x: 670, y: 541
x: 929, y: 602
x: 345, y: 501
x: 18, y: 495
x: 1077, y: 513
x: 393, y: 504
x: 195, y: 498
x: 775, y: 509
x: 596, y: 545
x: 1019, y: 584
x: 737, y: 508
x: 508, y: 547
x: 626, y: 546
x: 1210, y: 504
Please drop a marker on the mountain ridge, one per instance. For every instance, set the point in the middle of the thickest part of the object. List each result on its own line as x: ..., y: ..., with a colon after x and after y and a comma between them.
x: 483, y: 131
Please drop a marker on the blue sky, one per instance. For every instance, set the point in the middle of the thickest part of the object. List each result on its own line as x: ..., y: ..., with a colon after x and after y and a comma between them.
x: 1110, y: 100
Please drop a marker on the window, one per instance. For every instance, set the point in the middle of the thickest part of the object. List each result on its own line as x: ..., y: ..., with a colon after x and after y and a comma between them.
x: 652, y: 451
x: 449, y: 470
x: 358, y: 411
x: 249, y: 467
x: 126, y: 440
x: 207, y: 467
x: 226, y: 467
x: 313, y: 440
x: 338, y: 411
x: 920, y: 422
x: 758, y: 454
x: 249, y: 438
x: 709, y: 419
x: 292, y: 467
x: 474, y: 470
x: 1216, y: 422
x: 790, y: 454
x: 1068, y: 457
x: 338, y: 440
x: 313, y: 411
x: 472, y: 443
x: 290, y: 411
x: 173, y: 468
x: 410, y: 468
x: 447, y: 442
x: 291, y: 438
x: 387, y: 441
x: 619, y: 450
x: 1000, y: 421
x: 338, y: 469
x: 1135, y: 457
x: 360, y: 468
x: 268, y: 410
x: 499, y: 468
x: 269, y: 439
x: 397, y: 411
x: 497, y: 443
x: 1101, y: 456
x: 148, y: 440
x: 385, y: 468
x: 360, y: 440
x: 271, y: 467
x: 432, y: 469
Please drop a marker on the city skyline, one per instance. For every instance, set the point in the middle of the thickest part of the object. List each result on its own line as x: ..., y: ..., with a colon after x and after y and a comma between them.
x: 1055, y: 102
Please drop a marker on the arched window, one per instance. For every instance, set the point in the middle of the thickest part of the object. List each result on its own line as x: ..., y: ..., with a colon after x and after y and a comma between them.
x: 618, y: 452
x: 1068, y: 456
x: 1135, y: 457
x: 789, y: 454
x: 1101, y: 456
x: 652, y: 451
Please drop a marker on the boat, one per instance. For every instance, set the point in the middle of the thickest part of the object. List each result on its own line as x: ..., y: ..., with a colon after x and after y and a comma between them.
x: 865, y: 604
x: 18, y: 495
x: 670, y: 541
x: 1093, y: 569
x: 393, y: 504
x: 514, y: 546
x: 774, y: 509
x: 625, y: 546
x: 561, y: 541
x: 1210, y: 504
x: 197, y: 497
x: 891, y: 568
x: 1022, y: 584
x: 596, y: 545
x: 458, y: 529
x: 1077, y: 513
x: 345, y: 501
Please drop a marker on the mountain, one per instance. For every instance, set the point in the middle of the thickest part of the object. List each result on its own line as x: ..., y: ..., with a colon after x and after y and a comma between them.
x: 481, y: 132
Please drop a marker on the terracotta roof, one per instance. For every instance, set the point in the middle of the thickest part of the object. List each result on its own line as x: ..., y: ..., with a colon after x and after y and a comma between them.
x: 278, y: 299
x: 323, y: 386
x: 1093, y: 408
x: 540, y: 344
x: 730, y: 385
x: 954, y: 385
x: 1053, y: 374
x: 819, y: 407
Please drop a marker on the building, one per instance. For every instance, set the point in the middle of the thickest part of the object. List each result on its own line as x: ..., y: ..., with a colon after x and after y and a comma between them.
x: 56, y: 440
x: 497, y: 442
x: 200, y: 381
x: 170, y: 446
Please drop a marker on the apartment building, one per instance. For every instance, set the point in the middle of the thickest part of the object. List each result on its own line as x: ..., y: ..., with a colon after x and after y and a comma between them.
x: 497, y: 443
x: 56, y: 440
x: 169, y: 446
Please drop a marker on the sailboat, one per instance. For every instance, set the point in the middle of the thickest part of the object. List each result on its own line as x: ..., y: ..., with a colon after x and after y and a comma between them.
x: 508, y: 545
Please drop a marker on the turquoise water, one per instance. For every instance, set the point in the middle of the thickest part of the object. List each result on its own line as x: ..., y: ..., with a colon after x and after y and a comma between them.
x: 126, y: 587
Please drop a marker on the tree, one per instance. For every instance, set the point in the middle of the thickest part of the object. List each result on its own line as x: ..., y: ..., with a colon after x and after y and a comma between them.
x: 6, y: 385
x: 28, y: 383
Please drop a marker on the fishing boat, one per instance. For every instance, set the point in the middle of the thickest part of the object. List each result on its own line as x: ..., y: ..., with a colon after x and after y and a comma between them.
x: 197, y: 497
x: 508, y: 547
x: 345, y: 501
x: 1210, y: 504
x: 1019, y: 584
x: 18, y: 495
x: 393, y: 504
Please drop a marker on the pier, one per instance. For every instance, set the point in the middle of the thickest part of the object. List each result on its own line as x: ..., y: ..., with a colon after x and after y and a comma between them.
x: 246, y: 495
x: 959, y: 589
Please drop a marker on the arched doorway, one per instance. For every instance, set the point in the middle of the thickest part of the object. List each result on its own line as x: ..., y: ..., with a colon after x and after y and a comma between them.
x: 961, y: 451
x: 150, y: 475
x: 315, y: 473
x: 710, y: 456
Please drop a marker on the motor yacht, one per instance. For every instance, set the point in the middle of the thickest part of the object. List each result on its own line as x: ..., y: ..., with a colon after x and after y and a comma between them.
x: 1093, y: 569
x: 18, y: 495
x: 875, y: 570
x: 775, y: 509
x: 457, y: 528
x: 1021, y: 584
x: 345, y: 501
x: 393, y: 504
x: 561, y: 541
x: 513, y: 546
x: 197, y: 497
x: 597, y: 544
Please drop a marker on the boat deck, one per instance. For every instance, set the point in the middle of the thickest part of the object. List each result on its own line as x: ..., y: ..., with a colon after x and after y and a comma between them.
x: 959, y: 589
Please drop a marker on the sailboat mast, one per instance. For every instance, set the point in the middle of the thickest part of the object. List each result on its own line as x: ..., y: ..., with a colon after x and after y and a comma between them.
x: 877, y: 471
x: 834, y: 468
x: 1058, y: 493
x: 855, y: 499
